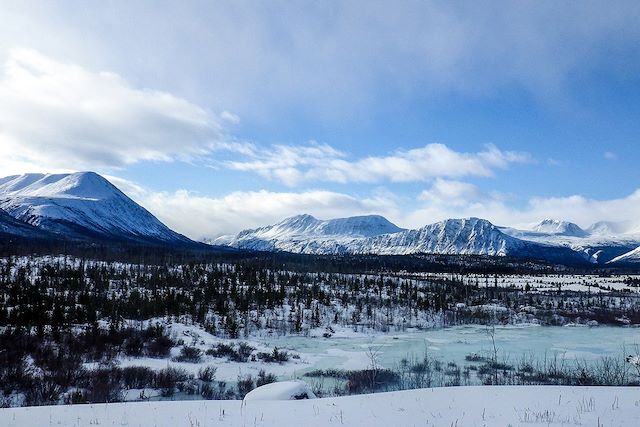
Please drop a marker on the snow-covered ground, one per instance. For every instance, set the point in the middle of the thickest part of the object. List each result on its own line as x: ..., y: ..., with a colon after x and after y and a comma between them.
x: 544, y: 282
x: 226, y: 370
x: 459, y: 406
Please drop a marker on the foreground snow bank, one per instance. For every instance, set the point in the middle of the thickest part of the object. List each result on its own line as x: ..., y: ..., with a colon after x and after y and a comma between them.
x: 459, y: 406
x: 284, y: 390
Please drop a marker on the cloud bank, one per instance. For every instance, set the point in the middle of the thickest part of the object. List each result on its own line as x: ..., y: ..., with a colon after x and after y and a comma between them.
x: 60, y: 116
x: 210, y: 217
x: 293, y: 165
x: 334, y: 58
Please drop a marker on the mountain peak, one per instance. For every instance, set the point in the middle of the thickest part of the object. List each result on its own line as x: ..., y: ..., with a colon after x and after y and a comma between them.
x: 557, y: 227
x: 89, y: 185
x: 608, y: 228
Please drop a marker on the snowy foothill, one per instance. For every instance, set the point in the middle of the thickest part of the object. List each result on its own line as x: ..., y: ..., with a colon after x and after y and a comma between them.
x: 455, y: 406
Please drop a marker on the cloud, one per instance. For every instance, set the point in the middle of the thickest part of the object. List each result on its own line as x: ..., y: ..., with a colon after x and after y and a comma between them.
x: 336, y: 57
x: 450, y: 193
x: 610, y: 155
x: 57, y: 116
x: 210, y: 217
x: 294, y: 165
x: 230, y: 117
x: 199, y: 216
x: 453, y: 199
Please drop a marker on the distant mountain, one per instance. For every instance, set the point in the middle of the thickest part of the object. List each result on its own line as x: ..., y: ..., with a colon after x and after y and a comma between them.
x: 633, y: 256
x: 597, y: 244
x: 86, y: 207
x: 376, y: 235
x: 82, y: 206
x: 306, y: 234
x: 472, y: 236
x: 559, y: 228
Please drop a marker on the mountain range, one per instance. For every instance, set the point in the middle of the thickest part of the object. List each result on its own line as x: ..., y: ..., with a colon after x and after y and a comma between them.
x: 549, y: 239
x: 86, y: 207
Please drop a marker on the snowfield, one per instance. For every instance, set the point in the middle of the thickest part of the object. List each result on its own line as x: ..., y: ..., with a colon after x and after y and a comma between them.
x: 458, y: 406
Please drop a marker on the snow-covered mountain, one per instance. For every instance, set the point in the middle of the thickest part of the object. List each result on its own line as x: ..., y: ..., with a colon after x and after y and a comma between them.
x: 85, y: 206
x: 81, y: 205
x: 559, y: 228
x: 376, y: 235
x: 306, y: 234
x: 546, y: 229
x: 599, y: 243
x: 471, y: 236
x: 549, y: 239
x: 633, y: 256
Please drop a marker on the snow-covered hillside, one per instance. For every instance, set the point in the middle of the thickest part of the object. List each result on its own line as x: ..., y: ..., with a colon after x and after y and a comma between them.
x: 632, y: 256
x: 11, y: 227
x: 599, y: 243
x: 80, y: 205
x: 454, y: 406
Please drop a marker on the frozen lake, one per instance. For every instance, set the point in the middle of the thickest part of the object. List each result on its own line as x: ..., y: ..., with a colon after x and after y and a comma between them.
x: 351, y: 351
x: 454, y: 343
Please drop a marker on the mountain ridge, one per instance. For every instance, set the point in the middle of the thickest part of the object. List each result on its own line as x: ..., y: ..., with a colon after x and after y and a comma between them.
x: 548, y: 239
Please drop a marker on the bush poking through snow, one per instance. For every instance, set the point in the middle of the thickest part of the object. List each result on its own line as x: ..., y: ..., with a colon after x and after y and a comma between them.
x: 241, y: 354
x: 276, y: 356
x: 245, y: 385
x: 207, y: 374
x: 189, y: 354
x: 264, y: 378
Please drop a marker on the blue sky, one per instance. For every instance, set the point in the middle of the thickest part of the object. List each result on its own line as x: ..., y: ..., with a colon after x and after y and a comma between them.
x: 218, y: 116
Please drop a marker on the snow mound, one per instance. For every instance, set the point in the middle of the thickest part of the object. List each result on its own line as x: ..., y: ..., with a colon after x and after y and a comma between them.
x: 284, y: 390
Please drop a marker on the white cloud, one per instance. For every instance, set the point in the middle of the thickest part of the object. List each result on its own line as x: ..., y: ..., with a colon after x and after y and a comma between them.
x: 230, y: 117
x: 447, y: 199
x: 61, y: 116
x: 199, y: 216
x: 320, y: 162
x: 450, y: 193
x: 610, y: 155
x: 335, y: 57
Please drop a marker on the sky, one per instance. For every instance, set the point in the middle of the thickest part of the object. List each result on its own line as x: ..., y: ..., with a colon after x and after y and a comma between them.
x: 225, y: 115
